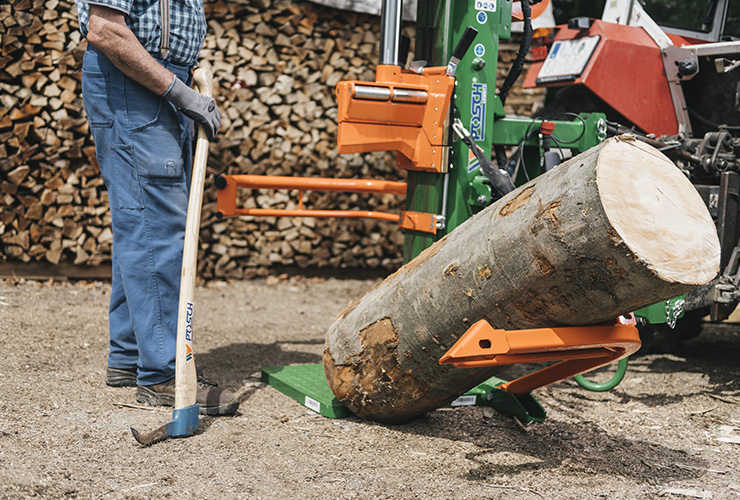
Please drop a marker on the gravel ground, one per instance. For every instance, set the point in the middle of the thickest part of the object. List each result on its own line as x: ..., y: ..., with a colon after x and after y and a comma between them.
x: 670, y: 430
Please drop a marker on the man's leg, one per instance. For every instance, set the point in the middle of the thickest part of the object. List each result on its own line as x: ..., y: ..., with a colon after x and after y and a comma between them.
x: 158, y: 143
x: 139, y: 144
x: 101, y: 113
x: 123, y: 354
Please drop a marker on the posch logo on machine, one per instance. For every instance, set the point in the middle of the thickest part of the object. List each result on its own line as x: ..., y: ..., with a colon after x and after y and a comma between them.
x: 478, y: 111
x: 473, y: 162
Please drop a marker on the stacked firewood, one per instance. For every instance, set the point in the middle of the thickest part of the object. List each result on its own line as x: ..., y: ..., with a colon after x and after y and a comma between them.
x: 275, y: 70
x: 53, y: 205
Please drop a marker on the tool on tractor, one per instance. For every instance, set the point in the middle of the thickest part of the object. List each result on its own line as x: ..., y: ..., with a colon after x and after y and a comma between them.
x: 445, y: 121
x: 185, y: 414
x: 411, y: 112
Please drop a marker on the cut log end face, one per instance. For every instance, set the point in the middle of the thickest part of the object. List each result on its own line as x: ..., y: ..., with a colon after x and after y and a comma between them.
x: 657, y: 213
x: 365, y: 386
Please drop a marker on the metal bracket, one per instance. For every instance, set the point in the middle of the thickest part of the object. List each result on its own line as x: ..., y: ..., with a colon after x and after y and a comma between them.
x: 673, y: 57
x: 418, y: 221
x: 727, y: 290
x: 523, y: 406
x: 724, y: 293
x: 583, y: 348
x: 401, y: 111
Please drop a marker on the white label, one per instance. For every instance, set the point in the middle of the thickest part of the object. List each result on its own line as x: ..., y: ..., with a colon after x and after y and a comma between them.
x: 567, y: 59
x: 313, y: 404
x: 487, y: 5
x: 464, y: 401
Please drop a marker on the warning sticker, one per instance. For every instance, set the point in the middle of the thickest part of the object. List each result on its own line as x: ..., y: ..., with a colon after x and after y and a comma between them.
x: 464, y: 401
x: 313, y: 404
x: 487, y: 5
x: 567, y: 59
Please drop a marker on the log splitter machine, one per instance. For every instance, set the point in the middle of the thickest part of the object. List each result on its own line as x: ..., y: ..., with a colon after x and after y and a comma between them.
x: 445, y: 121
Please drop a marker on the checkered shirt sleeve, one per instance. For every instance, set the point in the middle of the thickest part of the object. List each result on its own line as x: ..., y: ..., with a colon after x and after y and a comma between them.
x: 187, y: 25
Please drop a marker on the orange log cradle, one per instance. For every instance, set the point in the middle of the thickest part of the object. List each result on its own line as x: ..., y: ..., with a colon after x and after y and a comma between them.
x: 583, y: 348
x: 227, y: 186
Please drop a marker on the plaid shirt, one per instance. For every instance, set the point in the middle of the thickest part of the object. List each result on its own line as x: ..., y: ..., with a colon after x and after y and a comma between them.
x: 187, y: 25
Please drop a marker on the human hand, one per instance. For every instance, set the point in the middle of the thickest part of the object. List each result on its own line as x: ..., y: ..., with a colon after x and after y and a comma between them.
x: 195, y: 105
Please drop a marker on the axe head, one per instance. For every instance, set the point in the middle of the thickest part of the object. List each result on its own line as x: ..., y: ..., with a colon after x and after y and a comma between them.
x: 184, y: 423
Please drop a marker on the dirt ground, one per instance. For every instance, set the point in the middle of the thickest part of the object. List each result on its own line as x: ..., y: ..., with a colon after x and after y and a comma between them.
x: 666, y: 432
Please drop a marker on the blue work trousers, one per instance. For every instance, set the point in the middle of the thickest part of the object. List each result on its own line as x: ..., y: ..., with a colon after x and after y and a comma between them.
x: 144, y: 149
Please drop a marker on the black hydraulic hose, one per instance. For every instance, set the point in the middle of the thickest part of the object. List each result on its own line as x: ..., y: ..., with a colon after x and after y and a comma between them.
x: 709, y: 123
x: 518, y: 64
x: 499, y: 179
x: 500, y: 153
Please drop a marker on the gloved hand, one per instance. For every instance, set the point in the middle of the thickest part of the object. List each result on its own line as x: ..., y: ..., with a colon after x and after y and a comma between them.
x: 195, y: 105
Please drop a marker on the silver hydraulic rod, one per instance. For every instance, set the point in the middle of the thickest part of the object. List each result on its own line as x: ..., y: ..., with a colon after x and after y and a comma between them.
x: 372, y: 93
x: 390, y: 31
x: 411, y: 96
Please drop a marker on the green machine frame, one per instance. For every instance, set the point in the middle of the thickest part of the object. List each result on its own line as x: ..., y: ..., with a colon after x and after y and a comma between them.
x: 464, y: 190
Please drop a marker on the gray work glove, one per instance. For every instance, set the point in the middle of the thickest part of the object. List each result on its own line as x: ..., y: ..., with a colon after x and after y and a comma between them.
x: 195, y: 105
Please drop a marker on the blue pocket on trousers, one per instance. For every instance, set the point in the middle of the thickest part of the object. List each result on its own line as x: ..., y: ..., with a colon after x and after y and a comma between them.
x: 158, y: 148
x: 95, y: 92
x: 142, y: 106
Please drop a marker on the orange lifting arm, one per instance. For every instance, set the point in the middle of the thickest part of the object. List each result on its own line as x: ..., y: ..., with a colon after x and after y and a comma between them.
x: 227, y: 186
x: 401, y: 111
x: 583, y: 348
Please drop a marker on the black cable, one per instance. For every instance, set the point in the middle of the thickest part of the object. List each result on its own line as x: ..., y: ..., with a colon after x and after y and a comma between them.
x: 518, y: 64
x: 710, y: 123
x: 521, y: 145
x: 521, y: 160
x: 559, y: 144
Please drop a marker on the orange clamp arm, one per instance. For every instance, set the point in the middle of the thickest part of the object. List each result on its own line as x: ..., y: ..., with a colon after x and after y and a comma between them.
x: 583, y: 348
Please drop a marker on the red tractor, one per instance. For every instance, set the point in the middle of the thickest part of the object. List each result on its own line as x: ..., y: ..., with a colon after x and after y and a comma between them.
x: 668, y: 72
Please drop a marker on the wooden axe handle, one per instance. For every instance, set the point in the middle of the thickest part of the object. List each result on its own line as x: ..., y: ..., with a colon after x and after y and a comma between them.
x: 186, y: 383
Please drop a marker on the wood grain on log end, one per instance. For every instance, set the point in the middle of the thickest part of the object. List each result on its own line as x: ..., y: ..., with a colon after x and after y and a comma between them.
x: 654, y: 208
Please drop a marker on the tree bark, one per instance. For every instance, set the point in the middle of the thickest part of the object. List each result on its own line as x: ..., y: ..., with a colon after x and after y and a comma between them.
x: 607, y: 232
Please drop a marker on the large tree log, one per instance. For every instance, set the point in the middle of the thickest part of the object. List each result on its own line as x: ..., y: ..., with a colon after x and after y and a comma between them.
x: 607, y: 232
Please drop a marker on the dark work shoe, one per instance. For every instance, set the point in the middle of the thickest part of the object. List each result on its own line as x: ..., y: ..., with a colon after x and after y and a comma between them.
x: 212, y: 399
x: 120, y: 377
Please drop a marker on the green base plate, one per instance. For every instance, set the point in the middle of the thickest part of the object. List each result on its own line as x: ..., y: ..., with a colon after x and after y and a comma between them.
x: 307, y: 385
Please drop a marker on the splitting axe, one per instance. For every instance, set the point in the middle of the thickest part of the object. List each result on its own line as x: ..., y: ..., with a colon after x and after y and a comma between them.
x: 185, y: 415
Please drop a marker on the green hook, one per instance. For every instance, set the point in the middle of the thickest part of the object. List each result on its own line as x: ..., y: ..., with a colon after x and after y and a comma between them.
x: 608, y: 385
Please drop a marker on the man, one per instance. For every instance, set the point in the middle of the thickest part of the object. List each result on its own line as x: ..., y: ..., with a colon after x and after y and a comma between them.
x: 137, y: 95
